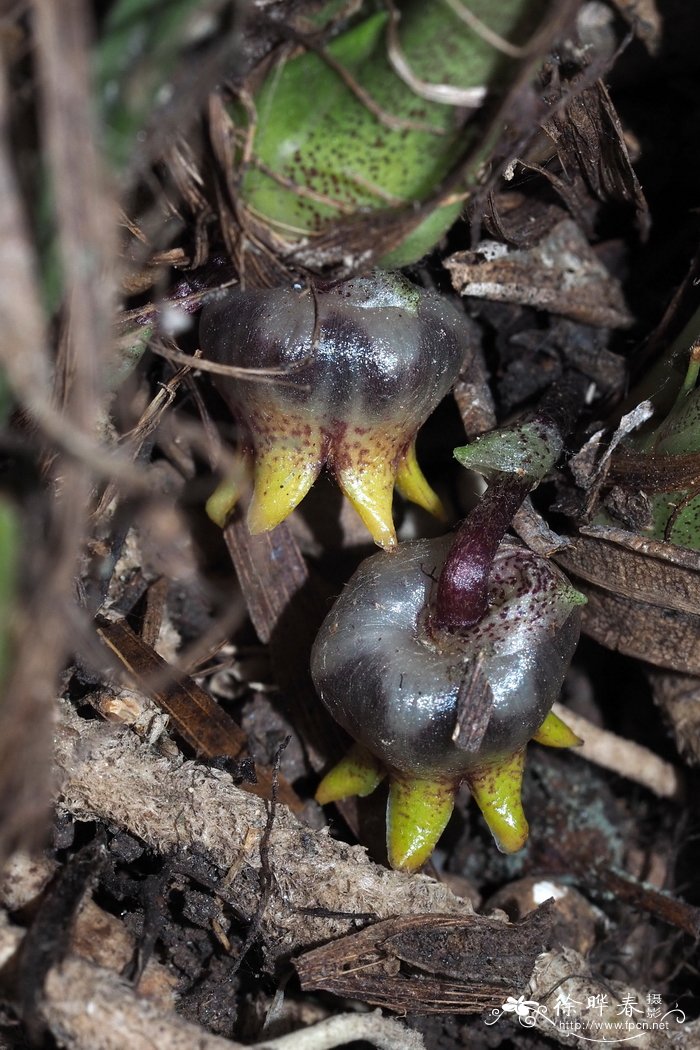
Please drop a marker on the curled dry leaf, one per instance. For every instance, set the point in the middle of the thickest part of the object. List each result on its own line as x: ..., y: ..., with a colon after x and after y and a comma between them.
x: 430, y: 964
x: 643, y: 595
x: 561, y: 274
x: 590, y: 139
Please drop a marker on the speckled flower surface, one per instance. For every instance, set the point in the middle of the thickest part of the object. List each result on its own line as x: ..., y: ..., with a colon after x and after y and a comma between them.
x: 396, y: 685
x: 358, y: 367
x: 393, y: 684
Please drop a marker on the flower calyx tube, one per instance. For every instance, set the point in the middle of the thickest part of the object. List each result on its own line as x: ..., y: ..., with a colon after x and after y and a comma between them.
x: 433, y: 709
x: 342, y: 376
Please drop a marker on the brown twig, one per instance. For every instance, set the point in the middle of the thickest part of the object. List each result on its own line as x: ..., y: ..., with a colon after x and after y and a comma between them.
x: 266, y: 873
x: 196, y: 717
x: 662, y: 905
x: 83, y: 220
x: 622, y: 756
x: 204, y: 365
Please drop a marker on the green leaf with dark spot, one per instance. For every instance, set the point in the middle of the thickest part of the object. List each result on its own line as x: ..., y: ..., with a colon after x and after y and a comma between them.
x: 314, y: 133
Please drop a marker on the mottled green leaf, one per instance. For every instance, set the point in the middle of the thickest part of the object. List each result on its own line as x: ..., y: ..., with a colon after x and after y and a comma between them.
x: 313, y: 132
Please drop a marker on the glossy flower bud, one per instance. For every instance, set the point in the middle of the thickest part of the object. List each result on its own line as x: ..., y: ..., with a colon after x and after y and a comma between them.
x: 357, y: 368
x: 435, y: 708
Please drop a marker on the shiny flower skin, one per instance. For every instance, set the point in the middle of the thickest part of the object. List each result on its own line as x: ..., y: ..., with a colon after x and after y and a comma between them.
x: 360, y: 365
x: 393, y: 685
x: 393, y: 682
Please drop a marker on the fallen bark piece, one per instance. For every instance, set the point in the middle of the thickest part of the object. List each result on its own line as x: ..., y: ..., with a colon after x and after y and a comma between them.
x: 195, y: 715
x: 678, y: 696
x: 320, y: 888
x: 561, y: 274
x: 430, y: 964
x: 643, y: 595
x: 87, y: 1008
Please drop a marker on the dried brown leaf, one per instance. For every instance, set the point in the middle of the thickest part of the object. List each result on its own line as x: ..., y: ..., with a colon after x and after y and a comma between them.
x: 430, y: 964
x: 590, y: 139
x: 658, y: 636
x: 648, y: 570
x: 643, y: 595
x: 196, y: 717
x: 286, y: 604
x: 561, y: 274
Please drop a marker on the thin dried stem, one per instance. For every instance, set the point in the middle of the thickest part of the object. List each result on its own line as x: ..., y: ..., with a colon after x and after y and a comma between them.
x: 497, y: 42
x: 622, y: 756
x: 82, y: 204
x: 388, y: 120
x: 82, y: 211
x: 204, y: 365
x: 447, y: 94
x: 133, y: 441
